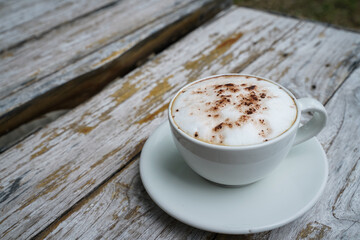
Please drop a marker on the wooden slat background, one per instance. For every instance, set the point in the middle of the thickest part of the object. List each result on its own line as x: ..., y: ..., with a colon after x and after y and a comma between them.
x: 68, y: 64
x: 81, y: 172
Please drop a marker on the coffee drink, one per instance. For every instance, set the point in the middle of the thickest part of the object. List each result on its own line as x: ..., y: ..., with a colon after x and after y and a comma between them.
x: 235, y: 129
x: 233, y: 110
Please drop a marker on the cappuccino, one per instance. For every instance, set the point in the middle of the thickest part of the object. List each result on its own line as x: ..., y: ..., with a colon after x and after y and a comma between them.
x: 233, y: 110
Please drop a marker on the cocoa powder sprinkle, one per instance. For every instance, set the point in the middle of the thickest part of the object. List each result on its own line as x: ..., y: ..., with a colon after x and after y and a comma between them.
x: 252, y: 87
x: 218, y: 127
x: 247, y: 99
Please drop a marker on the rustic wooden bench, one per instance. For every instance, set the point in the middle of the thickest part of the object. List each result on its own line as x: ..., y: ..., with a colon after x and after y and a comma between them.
x: 78, y: 177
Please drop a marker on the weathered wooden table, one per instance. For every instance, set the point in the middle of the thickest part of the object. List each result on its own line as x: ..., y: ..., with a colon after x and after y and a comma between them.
x: 119, y: 63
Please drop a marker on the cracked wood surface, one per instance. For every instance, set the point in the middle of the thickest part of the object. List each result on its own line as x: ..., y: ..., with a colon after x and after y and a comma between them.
x: 77, y: 57
x: 80, y: 176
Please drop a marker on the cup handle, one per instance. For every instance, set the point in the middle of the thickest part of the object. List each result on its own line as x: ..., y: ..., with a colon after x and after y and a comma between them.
x: 315, y: 124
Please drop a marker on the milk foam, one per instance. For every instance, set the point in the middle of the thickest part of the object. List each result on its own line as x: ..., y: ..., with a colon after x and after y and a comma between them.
x: 233, y: 110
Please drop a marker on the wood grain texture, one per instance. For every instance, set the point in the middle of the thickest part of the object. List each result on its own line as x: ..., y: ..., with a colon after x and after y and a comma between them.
x: 76, y: 60
x: 15, y: 13
x: 335, y: 216
x: 60, y: 165
x: 22, y: 21
x: 127, y: 212
x: 337, y: 213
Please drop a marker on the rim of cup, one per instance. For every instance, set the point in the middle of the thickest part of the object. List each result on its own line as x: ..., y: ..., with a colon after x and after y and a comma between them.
x: 235, y: 147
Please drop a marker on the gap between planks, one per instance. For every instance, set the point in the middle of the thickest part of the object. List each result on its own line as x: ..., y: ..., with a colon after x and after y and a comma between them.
x: 72, y: 94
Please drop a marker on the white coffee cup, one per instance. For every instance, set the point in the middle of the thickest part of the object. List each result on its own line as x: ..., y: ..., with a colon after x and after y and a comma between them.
x: 240, y: 165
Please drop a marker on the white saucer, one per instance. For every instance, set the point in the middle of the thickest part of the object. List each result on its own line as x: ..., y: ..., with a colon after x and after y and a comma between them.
x: 280, y: 198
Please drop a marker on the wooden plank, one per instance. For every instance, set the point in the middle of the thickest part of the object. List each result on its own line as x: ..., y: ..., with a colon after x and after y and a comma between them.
x: 14, y: 13
x: 320, y: 60
x: 84, y: 148
x: 337, y: 214
x: 127, y: 212
x: 340, y: 204
x: 21, y: 21
x: 184, y: 17
x: 66, y: 66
